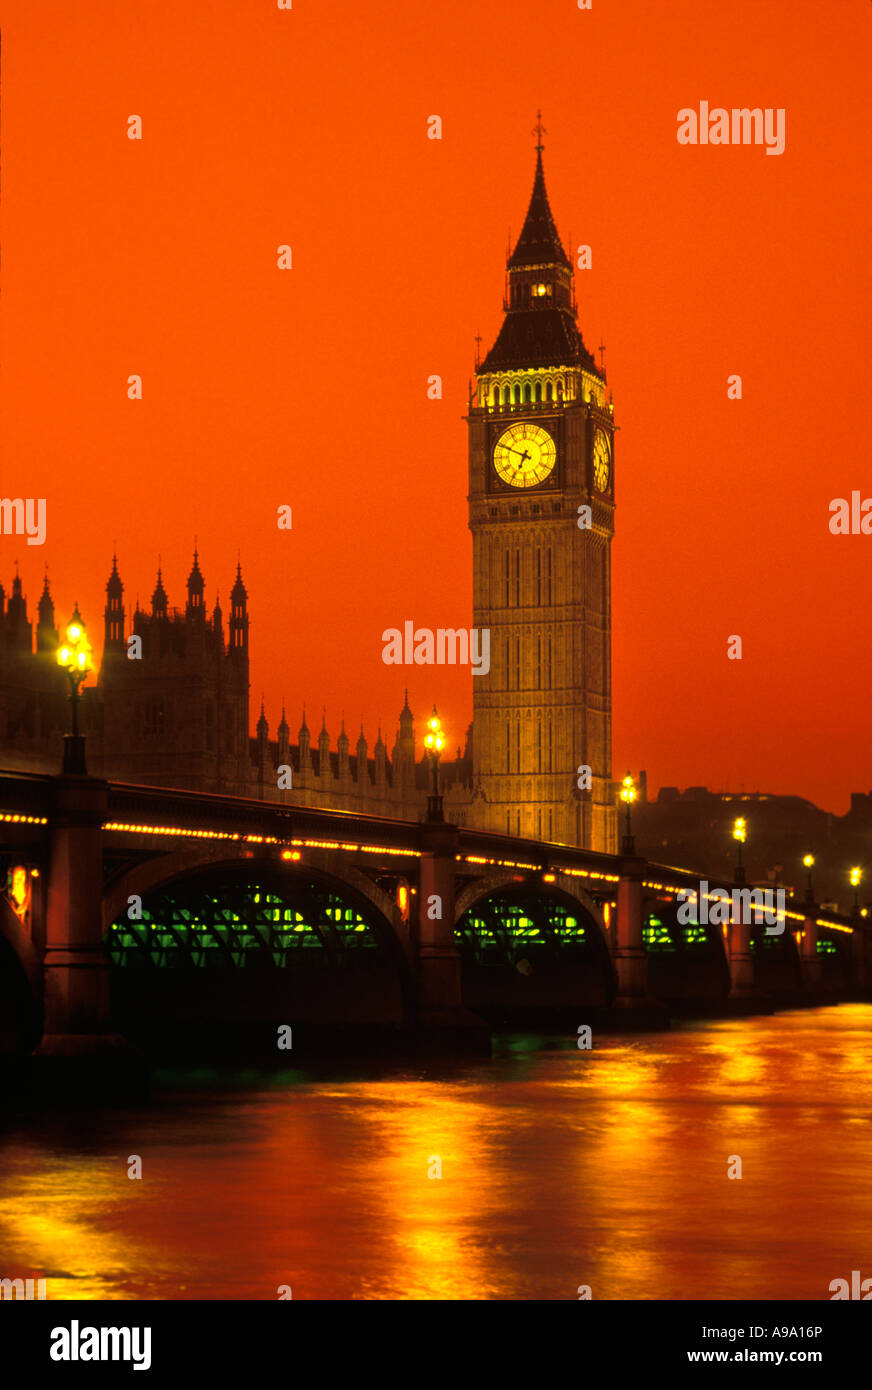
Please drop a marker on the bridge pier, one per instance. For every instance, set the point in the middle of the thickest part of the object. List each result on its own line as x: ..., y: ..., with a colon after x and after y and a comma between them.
x: 441, y: 1015
x: 631, y: 958
x: 741, y: 961
x: 809, y: 959
x: 745, y: 995
x: 77, y: 1042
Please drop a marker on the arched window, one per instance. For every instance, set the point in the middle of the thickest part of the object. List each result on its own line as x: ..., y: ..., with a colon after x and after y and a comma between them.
x: 549, y: 391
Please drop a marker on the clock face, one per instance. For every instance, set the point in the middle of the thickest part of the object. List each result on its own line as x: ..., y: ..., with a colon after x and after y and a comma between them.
x: 602, y: 460
x: 524, y: 455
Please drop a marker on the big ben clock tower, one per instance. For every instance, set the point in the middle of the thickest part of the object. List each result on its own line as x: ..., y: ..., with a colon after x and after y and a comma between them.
x: 541, y: 512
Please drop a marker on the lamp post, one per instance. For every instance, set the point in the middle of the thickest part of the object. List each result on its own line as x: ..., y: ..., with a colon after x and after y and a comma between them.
x: 740, y: 834
x: 74, y: 657
x: 628, y: 796
x: 808, y: 861
x: 856, y: 875
x: 434, y: 742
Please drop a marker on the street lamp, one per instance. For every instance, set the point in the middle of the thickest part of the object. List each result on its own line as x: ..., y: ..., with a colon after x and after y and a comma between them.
x: 74, y: 657
x: 434, y: 742
x: 628, y: 796
x: 808, y: 861
x: 740, y: 834
x: 856, y: 875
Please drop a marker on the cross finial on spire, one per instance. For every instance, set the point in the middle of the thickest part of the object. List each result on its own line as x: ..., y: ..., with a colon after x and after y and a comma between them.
x: 601, y: 350
x: 539, y: 130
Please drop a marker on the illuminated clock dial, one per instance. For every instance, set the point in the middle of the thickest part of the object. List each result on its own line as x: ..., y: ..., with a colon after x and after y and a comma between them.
x: 524, y: 455
x: 602, y: 460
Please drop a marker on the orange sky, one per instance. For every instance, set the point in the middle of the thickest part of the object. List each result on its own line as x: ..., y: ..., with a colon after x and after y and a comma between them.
x: 309, y: 387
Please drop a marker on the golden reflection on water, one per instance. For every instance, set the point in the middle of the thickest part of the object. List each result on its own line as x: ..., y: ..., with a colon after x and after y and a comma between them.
x: 559, y: 1167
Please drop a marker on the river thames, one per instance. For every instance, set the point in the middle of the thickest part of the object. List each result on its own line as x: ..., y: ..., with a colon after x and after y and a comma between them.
x: 559, y: 1168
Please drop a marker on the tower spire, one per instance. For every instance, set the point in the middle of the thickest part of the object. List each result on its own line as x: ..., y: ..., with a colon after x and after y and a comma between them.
x: 114, y: 610
x: 539, y: 243
x: 540, y: 328
x: 159, y: 597
x: 239, y: 615
x: 539, y: 130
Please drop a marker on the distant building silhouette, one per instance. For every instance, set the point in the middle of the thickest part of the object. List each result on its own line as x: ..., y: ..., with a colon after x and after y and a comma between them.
x: 694, y: 828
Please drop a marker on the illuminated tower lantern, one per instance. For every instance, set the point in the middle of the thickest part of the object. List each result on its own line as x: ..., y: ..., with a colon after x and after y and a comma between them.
x: 541, y: 445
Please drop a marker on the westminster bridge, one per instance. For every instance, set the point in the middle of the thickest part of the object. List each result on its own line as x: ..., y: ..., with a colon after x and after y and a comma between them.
x: 154, y: 915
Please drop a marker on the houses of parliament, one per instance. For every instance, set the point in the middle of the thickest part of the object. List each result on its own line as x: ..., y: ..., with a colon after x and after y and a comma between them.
x: 541, y: 513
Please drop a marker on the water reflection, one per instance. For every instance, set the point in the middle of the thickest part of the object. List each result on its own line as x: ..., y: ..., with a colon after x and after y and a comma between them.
x: 559, y: 1167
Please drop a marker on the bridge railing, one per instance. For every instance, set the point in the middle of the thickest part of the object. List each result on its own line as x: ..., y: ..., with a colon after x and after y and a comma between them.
x: 26, y: 802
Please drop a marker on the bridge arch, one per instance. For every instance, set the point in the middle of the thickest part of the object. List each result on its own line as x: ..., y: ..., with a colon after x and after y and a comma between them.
x: 777, y: 965
x: 164, y: 869
x: 687, y: 962
x: 251, y: 943
x: 837, y: 964
x: 499, y: 880
x: 531, y: 950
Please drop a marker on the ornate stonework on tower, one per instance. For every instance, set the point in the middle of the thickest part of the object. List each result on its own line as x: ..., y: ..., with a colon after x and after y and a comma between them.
x: 541, y: 445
